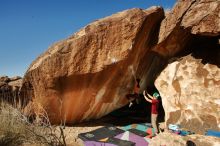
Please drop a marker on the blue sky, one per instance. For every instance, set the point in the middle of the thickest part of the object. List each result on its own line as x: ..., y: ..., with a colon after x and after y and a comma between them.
x: 29, y: 27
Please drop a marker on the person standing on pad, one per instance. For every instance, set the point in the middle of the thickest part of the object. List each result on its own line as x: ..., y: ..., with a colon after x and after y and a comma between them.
x: 154, y: 108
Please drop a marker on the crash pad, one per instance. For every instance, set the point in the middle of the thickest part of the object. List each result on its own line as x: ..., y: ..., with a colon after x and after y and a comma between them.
x: 150, y: 132
x: 142, y: 127
x: 185, y: 132
x: 138, y: 132
x: 109, y: 142
x: 129, y: 136
x: 101, y: 133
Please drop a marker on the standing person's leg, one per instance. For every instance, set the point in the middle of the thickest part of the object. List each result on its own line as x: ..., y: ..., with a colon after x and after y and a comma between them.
x: 154, y: 122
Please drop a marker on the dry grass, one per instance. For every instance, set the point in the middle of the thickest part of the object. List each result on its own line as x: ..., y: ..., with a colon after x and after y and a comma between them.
x: 16, y: 130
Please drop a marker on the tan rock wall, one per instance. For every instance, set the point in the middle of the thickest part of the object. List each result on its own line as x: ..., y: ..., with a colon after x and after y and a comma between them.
x: 190, y: 94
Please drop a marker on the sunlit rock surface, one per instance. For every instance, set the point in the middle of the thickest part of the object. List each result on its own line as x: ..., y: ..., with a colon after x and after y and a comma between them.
x: 187, y: 19
x: 88, y: 75
x: 190, y: 94
x: 190, y: 87
x: 170, y: 139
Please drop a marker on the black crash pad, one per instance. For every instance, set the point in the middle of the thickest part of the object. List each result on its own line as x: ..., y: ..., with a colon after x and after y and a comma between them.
x: 138, y: 132
x: 100, y: 133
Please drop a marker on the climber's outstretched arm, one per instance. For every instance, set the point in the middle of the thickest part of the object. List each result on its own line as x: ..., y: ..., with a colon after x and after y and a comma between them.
x: 149, y: 100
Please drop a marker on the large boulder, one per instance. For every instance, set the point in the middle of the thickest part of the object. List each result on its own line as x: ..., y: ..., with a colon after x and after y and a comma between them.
x: 87, y: 75
x: 190, y: 27
x: 203, y: 18
x: 190, y: 94
x: 190, y: 87
x: 187, y: 20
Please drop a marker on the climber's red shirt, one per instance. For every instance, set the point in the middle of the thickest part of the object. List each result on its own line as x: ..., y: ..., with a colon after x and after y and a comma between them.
x: 154, y: 106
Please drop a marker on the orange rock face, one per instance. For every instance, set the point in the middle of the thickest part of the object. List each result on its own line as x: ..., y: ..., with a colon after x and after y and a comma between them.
x: 88, y: 75
x: 187, y: 19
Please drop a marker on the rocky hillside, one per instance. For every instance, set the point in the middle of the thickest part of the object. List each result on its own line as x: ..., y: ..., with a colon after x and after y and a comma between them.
x: 9, y: 88
x: 88, y: 75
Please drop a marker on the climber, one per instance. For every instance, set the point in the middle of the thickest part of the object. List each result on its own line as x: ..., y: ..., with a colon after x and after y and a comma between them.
x: 135, y: 96
x: 154, y: 108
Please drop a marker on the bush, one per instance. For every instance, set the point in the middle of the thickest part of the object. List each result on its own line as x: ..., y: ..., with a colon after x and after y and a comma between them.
x: 15, y: 129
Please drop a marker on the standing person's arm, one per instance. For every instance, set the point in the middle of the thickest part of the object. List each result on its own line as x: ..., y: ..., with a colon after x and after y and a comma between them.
x: 149, y: 96
x: 149, y: 100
